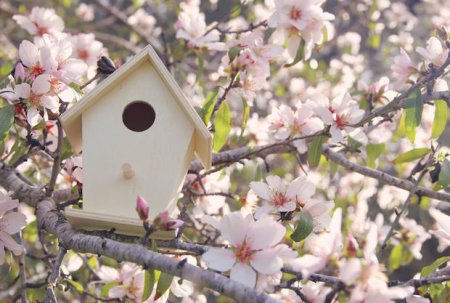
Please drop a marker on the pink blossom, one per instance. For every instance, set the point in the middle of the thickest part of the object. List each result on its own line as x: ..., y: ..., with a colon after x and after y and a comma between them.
x: 303, y: 18
x: 340, y: 113
x: 37, y: 98
x: 402, y: 67
x: 281, y: 197
x: 322, y: 247
x: 434, y: 52
x: 253, y: 248
x: 11, y: 222
x: 286, y: 123
x: 85, y: 12
x: 143, y: 20
x: 41, y: 21
x: 86, y: 48
x: 191, y: 26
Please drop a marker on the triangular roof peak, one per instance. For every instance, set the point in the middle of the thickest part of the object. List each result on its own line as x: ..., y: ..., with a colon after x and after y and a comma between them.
x: 72, y: 121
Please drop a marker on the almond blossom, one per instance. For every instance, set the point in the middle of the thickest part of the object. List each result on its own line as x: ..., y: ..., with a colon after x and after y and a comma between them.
x: 370, y: 283
x: 322, y: 247
x: 191, y: 26
x: 300, y: 18
x: 340, y: 113
x: 281, y: 197
x: 86, y: 48
x: 402, y: 67
x: 253, y: 248
x: 285, y: 123
x: 41, y: 21
x: 36, y: 98
x: 11, y: 222
x: 434, y: 52
x: 127, y: 283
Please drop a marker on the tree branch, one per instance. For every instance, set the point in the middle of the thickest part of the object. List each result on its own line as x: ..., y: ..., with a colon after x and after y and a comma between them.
x: 53, y: 221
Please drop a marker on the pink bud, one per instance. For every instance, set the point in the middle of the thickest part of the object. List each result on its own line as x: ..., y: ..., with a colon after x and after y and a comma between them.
x: 163, y: 221
x: 19, y: 72
x: 142, y: 208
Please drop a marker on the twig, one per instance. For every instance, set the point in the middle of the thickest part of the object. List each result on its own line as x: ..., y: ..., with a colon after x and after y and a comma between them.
x: 50, y: 295
x: 395, y: 104
x: 383, y: 177
x: 22, y: 275
x: 57, y: 162
x: 411, y: 194
x: 224, y: 95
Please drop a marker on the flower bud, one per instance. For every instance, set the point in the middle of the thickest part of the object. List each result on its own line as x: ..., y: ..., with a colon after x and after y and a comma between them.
x: 164, y: 222
x: 142, y: 208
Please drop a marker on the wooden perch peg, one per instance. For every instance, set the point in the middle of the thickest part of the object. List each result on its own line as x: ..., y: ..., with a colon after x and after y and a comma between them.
x: 127, y: 171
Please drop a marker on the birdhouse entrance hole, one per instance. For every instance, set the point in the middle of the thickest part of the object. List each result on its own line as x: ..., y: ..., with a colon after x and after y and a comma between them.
x: 138, y: 116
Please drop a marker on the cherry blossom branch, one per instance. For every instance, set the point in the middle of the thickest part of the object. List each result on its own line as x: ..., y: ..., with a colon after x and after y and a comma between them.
x: 382, y: 176
x: 398, y: 102
x: 50, y: 294
x: 224, y: 95
x: 54, y: 222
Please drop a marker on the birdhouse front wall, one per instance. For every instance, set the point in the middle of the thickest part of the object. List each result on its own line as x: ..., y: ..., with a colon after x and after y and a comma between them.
x: 156, y: 160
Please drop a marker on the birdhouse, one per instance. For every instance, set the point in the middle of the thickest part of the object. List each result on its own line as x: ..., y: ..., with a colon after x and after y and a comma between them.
x: 139, y: 134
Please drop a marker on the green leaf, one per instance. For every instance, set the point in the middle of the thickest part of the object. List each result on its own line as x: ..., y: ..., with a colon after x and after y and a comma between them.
x: 245, y: 115
x: 78, y: 287
x: 6, y: 120
x: 413, y: 114
x: 234, y: 52
x: 66, y: 150
x: 373, y: 152
x: 105, y: 289
x: 208, y: 106
x: 399, y: 256
x: 315, y: 150
x: 411, y: 155
x: 222, y: 126
x: 304, y: 227
x: 440, y: 118
x: 299, y: 55
x: 444, y: 174
x: 433, y: 266
x: 149, y: 283
x: 164, y: 282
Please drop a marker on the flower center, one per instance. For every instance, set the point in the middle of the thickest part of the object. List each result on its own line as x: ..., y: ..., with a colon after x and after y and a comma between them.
x: 279, y: 199
x: 41, y: 31
x: 340, y: 120
x: 36, y: 70
x: 83, y: 54
x: 243, y: 252
x: 295, y: 13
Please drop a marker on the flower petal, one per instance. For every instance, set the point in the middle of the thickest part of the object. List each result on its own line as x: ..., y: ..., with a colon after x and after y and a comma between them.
x: 267, y: 262
x: 219, y: 259
x: 10, y: 244
x: 233, y: 227
x: 243, y: 273
x: 13, y: 222
x: 261, y: 189
x: 264, y: 233
x: 41, y: 84
x: 28, y: 53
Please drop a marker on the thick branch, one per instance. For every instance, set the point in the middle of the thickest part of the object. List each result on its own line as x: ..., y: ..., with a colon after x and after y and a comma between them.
x: 53, y: 221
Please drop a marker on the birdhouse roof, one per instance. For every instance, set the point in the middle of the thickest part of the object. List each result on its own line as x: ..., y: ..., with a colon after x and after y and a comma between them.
x: 72, y: 120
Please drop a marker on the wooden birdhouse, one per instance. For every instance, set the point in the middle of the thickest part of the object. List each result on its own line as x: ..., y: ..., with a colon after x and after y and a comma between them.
x: 138, y: 133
